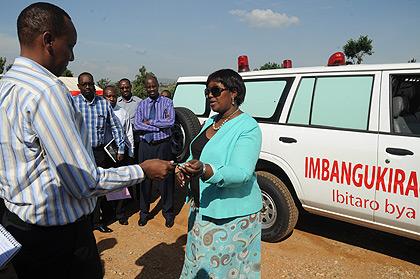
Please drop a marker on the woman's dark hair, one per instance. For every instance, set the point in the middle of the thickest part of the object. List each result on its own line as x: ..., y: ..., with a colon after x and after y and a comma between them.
x: 39, y: 18
x: 232, y: 81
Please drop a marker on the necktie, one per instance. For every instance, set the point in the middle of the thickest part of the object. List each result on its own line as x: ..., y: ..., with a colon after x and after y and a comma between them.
x: 152, y: 113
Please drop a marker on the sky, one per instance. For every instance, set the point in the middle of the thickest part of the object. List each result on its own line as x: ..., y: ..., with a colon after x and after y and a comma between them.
x: 186, y: 37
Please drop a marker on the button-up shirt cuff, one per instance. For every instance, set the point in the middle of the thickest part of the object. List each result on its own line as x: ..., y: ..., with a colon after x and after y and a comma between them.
x: 136, y: 172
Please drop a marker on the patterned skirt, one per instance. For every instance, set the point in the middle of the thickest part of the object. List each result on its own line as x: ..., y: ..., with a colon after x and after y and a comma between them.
x: 222, y: 248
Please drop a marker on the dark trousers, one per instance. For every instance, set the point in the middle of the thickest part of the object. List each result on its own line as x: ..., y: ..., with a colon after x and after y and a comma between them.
x: 162, y: 151
x: 104, y: 210
x: 67, y: 251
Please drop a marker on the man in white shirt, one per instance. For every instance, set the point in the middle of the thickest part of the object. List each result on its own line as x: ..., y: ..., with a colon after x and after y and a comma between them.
x: 110, y: 93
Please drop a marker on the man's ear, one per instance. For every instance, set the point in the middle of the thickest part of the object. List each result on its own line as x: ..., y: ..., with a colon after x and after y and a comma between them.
x: 48, y: 41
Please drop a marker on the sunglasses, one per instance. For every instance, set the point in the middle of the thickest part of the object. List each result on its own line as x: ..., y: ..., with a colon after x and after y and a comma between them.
x: 215, y: 91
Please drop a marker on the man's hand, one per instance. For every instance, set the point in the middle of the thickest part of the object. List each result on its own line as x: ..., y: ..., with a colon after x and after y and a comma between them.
x: 157, y: 169
x: 120, y: 157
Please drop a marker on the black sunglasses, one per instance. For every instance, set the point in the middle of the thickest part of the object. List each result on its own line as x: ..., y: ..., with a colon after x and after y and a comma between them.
x: 215, y: 91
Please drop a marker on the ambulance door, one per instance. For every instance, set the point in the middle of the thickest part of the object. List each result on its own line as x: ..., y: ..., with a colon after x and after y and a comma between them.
x: 399, y: 151
x: 330, y: 140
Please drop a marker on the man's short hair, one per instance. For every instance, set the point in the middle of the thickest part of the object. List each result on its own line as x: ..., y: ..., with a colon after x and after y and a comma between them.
x: 84, y: 74
x: 112, y: 87
x: 124, y: 79
x: 38, y: 18
x: 151, y: 76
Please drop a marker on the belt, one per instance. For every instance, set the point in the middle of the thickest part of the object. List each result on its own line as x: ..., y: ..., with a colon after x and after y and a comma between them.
x: 155, y: 142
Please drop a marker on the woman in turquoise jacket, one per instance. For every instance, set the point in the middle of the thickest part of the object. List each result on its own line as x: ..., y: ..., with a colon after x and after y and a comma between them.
x: 224, y: 227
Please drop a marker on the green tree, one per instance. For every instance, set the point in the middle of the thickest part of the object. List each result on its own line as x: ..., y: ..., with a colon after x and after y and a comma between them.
x: 103, y: 82
x: 2, y: 63
x: 270, y: 66
x: 169, y: 86
x: 67, y: 73
x: 356, y: 49
x: 138, y: 83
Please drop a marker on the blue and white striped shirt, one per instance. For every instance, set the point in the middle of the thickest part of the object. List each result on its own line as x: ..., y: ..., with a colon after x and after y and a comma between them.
x: 164, y: 118
x: 47, y: 172
x: 99, y: 116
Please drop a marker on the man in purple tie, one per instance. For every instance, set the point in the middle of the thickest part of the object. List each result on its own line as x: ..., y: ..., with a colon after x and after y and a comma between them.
x: 155, y: 116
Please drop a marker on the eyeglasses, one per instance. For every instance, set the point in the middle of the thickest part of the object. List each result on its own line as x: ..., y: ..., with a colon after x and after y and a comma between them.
x: 215, y: 91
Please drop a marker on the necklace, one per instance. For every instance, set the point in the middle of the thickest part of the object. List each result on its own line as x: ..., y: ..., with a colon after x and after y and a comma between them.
x: 224, y: 121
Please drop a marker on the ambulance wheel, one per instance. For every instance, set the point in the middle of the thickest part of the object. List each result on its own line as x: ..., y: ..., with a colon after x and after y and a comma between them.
x: 186, y: 127
x: 279, y: 213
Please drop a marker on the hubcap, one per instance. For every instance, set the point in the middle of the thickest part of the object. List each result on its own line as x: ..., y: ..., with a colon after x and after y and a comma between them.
x: 268, y: 212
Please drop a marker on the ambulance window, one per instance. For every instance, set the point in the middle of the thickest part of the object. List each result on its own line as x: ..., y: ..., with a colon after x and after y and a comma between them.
x: 263, y: 97
x: 406, y: 104
x: 301, y: 108
x: 191, y: 96
x: 342, y: 102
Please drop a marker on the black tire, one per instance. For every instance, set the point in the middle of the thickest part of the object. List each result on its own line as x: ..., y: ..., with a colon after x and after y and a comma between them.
x: 279, y: 214
x: 186, y: 127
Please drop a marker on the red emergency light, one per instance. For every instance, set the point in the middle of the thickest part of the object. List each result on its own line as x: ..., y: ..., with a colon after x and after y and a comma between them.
x: 287, y: 63
x: 337, y: 59
x: 243, y: 65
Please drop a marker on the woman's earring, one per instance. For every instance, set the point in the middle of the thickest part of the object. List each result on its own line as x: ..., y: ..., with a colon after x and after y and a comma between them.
x: 233, y: 101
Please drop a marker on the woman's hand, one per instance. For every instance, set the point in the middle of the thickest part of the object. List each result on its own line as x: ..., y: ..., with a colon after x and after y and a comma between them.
x: 193, y: 168
x: 180, y: 178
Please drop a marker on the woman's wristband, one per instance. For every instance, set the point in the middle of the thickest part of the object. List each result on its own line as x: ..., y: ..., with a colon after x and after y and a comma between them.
x: 203, y: 171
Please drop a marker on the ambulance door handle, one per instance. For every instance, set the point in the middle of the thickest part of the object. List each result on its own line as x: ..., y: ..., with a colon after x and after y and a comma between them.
x: 399, y: 151
x: 287, y: 140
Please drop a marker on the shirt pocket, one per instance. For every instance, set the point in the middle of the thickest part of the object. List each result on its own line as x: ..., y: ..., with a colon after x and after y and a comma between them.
x: 100, y: 124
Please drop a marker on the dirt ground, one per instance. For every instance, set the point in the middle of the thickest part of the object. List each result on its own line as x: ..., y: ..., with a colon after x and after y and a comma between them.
x: 318, y: 248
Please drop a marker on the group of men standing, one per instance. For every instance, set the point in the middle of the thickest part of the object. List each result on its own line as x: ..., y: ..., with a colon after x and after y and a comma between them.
x: 139, y: 130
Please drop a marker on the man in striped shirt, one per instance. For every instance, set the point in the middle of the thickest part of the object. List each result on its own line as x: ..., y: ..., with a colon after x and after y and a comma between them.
x: 155, y: 117
x: 99, y: 117
x: 48, y: 177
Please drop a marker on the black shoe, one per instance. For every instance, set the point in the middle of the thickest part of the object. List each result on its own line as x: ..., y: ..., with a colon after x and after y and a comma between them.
x: 123, y: 221
x: 142, y: 222
x: 103, y: 229
x: 169, y: 222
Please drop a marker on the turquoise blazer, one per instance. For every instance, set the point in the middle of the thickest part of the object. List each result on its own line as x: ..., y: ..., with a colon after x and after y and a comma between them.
x: 232, y: 152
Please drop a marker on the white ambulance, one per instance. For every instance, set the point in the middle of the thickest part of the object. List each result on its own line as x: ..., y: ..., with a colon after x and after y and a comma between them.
x: 341, y: 141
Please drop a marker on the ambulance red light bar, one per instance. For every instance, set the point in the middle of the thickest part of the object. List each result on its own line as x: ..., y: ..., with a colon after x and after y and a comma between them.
x: 337, y: 59
x: 287, y: 63
x: 243, y: 65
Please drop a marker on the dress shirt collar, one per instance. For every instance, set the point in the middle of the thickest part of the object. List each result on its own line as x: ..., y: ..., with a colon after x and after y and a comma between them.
x: 122, y: 99
x: 29, y: 63
x: 92, y: 103
x: 150, y: 100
